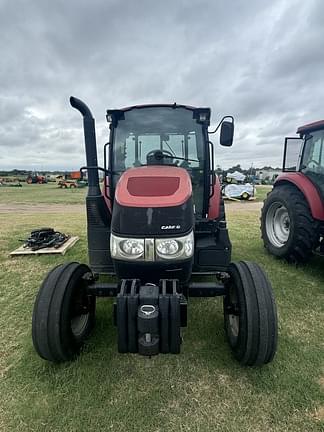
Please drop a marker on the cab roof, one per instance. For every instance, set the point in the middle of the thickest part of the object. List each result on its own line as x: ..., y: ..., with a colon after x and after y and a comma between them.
x: 302, y: 130
x: 197, y: 111
x: 174, y: 105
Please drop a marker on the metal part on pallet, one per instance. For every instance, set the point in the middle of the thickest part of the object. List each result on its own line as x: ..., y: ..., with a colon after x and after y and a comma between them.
x: 45, y: 237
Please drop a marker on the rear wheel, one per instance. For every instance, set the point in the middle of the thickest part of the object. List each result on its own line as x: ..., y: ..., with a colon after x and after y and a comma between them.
x: 288, y: 229
x: 63, y: 313
x: 250, y: 314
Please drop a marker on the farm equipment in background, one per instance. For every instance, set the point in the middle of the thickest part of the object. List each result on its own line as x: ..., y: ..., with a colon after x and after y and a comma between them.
x: 292, y: 220
x: 159, y: 227
x: 6, y: 183
x: 74, y: 179
x: 234, y: 186
x: 36, y: 179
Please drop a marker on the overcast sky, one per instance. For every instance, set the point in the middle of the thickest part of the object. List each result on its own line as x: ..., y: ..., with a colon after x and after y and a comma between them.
x: 261, y: 61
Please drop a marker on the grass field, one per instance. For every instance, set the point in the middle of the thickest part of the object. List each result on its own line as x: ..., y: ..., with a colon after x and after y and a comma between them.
x: 41, y: 194
x: 51, y: 193
x: 262, y: 191
x: 202, y: 389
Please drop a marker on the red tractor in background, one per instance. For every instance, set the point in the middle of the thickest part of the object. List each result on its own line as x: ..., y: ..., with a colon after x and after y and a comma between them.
x: 292, y: 219
x: 35, y: 178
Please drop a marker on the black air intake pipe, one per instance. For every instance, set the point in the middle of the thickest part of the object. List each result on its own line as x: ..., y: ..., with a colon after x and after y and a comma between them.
x: 90, y: 144
x: 98, y: 215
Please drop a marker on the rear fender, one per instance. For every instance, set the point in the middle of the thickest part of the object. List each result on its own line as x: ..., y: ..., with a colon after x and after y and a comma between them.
x: 308, y: 189
x: 215, y: 201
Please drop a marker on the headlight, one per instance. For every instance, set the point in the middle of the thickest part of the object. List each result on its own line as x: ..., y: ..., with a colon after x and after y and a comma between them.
x: 167, y: 247
x: 150, y: 249
x: 126, y: 248
x: 175, y: 248
x: 132, y: 247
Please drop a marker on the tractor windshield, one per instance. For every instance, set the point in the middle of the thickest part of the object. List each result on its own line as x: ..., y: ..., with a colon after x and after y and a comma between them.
x: 312, y: 163
x: 173, y: 131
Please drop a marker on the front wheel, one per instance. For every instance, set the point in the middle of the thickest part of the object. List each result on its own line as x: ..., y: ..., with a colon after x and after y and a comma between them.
x: 250, y: 315
x: 64, y: 313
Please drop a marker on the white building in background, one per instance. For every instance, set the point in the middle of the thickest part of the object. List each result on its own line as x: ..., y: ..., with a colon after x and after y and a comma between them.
x: 268, y: 174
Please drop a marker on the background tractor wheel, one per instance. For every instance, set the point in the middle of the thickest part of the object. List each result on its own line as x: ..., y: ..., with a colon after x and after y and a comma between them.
x: 250, y: 314
x: 287, y: 227
x: 245, y: 196
x: 63, y: 313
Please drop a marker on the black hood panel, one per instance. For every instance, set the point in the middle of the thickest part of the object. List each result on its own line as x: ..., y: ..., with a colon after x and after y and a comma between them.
x: 153, y: 222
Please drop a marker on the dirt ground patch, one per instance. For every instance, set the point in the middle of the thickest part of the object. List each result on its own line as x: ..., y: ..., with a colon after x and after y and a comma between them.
x: 41, y: 208
x: 78, y: 208
x: 243, y: 206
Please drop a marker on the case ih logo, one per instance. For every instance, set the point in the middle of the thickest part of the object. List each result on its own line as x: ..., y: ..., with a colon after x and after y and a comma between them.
x: 170, y: 227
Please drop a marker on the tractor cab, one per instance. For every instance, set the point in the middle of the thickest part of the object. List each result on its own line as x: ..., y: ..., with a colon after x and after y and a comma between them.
x: 167, y: 135
x: 306, y: 154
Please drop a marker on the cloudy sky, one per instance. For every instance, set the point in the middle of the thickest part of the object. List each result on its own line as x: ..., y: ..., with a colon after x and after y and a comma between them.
x: 261, y: 61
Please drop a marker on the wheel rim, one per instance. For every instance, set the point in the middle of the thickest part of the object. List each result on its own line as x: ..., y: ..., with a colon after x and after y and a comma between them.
x: 278, y: 224
x: 232, y: 314
x: 234, y: 323
x: 80, y: 311
x: 79, y: 324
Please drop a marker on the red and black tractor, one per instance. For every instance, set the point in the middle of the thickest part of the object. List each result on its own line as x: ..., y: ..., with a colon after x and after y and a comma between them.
x: 36, y: 178
x: 292, y: 220
x: 156, y: 232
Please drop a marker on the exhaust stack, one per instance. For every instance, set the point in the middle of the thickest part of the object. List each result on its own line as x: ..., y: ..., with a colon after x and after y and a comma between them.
x: 98, y: 215
x: 90, y: 144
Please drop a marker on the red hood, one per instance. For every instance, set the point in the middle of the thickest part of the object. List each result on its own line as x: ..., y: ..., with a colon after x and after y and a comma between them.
x: 153, y: 186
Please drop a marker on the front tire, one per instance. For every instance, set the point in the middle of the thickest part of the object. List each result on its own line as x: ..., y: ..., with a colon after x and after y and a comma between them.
x: 287, y: 227
x: 64, y: 314
x: 250, y: 314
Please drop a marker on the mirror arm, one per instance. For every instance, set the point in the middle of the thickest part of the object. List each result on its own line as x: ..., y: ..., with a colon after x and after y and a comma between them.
x: 219, y: 124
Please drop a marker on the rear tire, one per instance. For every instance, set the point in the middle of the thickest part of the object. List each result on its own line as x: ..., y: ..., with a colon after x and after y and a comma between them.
x: 64, y: 314
x: 287, y: 227
x: 250, y: 314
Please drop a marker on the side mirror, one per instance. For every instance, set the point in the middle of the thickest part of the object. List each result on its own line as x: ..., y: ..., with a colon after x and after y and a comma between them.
x: 226, y: 133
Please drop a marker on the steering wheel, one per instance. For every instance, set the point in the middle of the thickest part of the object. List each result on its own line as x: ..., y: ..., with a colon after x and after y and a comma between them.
x: 158, y: 156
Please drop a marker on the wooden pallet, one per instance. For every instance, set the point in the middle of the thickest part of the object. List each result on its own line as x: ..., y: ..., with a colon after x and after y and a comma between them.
x: 51, y: 250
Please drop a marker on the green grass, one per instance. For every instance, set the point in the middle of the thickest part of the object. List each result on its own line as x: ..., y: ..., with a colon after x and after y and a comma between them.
x: 41, y: 194
x: 262, y: 191
x: 202, y: 389
x: 51, y: 193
